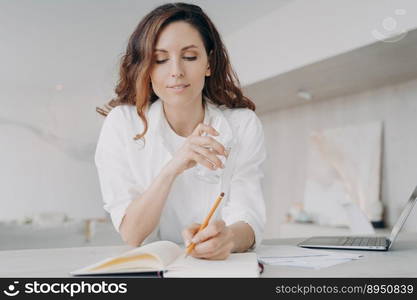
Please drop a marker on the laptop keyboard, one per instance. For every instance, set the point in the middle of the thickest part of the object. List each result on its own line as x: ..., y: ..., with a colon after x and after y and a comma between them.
x: 364, y: 241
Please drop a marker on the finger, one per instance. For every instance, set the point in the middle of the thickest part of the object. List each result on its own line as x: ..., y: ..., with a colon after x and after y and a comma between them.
x: 211, y: 230
x: 222, y: 253
x: 215, y: 244
x: 208, y: 155
x: 209, y: 142
x: 203, y: 128
x: 211, y: 250
x: 209, y: 246
x: 203, y: 161
x: 189, y: 232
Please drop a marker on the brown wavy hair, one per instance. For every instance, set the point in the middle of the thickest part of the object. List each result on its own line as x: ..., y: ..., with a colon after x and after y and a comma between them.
x: 134, y: 86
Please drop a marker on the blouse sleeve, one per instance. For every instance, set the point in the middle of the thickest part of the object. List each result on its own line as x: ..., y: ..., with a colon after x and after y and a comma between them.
x: 246, y: 202
x: 117, y: 182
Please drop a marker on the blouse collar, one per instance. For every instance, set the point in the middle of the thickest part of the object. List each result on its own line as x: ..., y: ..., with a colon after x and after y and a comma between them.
x: 157, y: 128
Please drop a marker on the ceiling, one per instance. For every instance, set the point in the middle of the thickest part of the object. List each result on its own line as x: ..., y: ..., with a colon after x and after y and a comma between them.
x: 361, y: 69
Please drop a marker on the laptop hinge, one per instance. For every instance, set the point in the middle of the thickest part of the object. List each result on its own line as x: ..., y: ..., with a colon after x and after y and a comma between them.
x: 389, y: 243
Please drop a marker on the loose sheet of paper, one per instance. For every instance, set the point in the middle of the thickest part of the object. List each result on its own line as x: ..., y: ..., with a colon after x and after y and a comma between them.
x: 301, y: 257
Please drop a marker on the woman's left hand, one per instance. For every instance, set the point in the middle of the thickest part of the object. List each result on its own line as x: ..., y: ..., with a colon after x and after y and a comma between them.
x: 213, y: 242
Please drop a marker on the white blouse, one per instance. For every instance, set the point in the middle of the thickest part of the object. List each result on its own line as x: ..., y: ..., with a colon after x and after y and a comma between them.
x: 126, y: 168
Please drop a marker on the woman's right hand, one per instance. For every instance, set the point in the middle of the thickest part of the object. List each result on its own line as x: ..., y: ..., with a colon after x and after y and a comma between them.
x: 198, y: 149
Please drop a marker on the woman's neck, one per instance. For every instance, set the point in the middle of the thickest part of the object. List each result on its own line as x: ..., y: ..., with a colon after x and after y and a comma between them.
x: 184, y: 119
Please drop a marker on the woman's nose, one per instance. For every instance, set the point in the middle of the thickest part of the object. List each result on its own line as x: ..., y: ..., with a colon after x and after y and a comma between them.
x: 177, y: 70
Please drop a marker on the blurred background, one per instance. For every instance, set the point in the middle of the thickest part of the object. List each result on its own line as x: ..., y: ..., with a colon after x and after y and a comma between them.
x: 319, y: 72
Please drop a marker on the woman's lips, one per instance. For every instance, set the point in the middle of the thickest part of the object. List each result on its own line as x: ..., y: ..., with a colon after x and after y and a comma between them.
x: 179, y: 87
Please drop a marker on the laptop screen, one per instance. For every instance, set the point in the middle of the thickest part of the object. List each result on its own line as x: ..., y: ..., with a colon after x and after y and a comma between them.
x: 404, y: 215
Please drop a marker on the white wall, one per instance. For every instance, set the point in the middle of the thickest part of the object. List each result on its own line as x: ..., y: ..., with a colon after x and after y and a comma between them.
x: 59, y: 61
x: 287, y: 134
x: 46, y: 156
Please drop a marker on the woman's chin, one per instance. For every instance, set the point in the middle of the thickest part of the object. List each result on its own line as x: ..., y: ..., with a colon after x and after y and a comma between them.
x: 179, y: 99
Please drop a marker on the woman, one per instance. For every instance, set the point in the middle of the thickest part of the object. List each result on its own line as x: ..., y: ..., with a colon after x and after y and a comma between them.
x: 174, y: 78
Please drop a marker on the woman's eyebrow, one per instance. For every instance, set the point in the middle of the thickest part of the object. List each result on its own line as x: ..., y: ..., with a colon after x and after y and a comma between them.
x: 184, y: 48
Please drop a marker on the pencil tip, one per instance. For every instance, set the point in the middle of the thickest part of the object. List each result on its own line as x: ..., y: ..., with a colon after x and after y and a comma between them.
x: 222, y: 194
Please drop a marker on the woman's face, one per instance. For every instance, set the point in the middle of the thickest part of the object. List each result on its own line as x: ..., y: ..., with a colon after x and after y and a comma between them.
x: 180, y: 65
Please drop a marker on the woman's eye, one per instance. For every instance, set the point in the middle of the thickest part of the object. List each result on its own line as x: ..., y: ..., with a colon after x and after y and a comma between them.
x: 160, y: 61
x: 189, y: 58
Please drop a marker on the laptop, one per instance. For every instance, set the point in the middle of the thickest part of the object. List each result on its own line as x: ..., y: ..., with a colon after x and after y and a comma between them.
x: 363, y: 242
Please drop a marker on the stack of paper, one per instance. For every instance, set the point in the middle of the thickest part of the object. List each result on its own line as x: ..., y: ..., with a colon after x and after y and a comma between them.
x: 301, y: 257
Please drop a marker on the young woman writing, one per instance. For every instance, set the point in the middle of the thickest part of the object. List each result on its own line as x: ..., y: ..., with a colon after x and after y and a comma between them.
x: 176, y: 80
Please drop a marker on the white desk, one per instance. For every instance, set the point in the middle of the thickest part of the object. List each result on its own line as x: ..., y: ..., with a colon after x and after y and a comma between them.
x: 400, y: 261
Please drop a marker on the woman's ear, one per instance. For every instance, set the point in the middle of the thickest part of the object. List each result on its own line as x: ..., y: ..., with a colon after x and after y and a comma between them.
x: 208, y: 70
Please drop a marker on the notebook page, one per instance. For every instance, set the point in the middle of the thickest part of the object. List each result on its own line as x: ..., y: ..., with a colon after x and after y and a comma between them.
x: 236, y: 265
x: 151, y: 257
x: 165, y: 251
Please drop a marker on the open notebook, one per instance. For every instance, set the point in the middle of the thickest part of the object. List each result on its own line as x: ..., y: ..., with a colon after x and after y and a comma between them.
x: 168, y: 259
